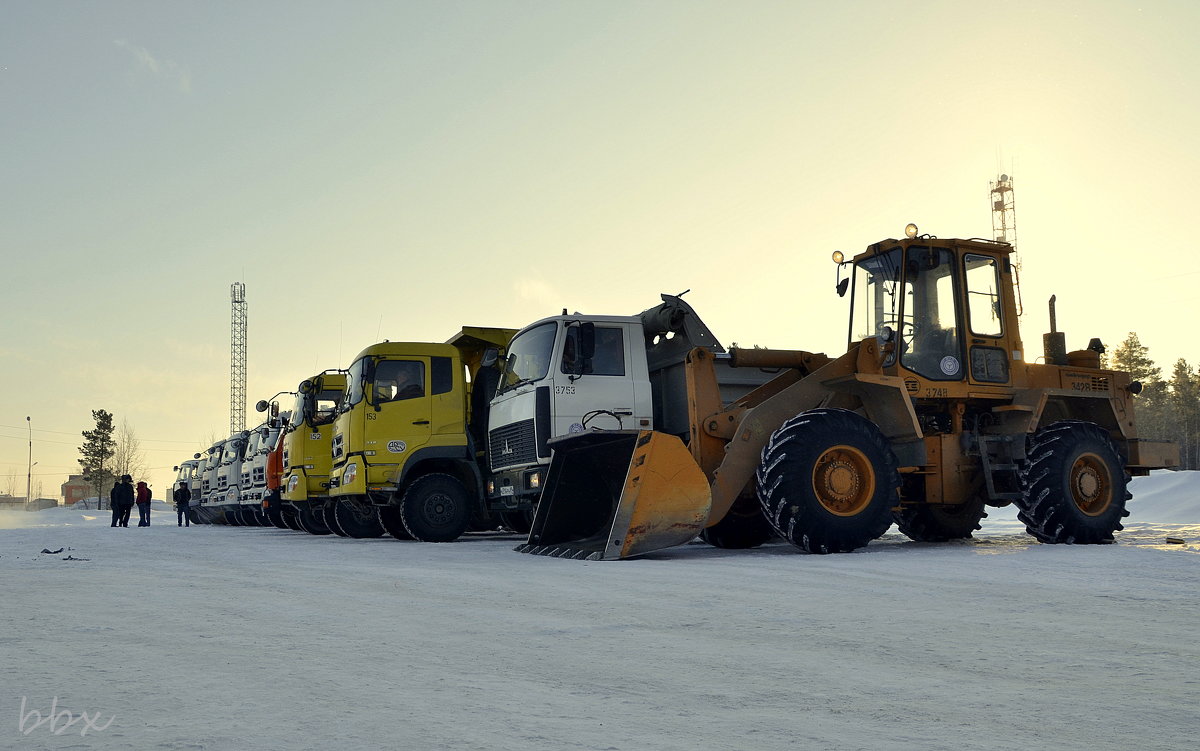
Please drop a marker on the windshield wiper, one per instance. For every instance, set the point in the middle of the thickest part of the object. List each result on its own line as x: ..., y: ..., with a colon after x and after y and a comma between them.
x: 516, y: 384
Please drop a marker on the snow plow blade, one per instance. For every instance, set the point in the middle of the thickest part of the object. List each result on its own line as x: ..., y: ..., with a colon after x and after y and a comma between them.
x: 617, y: 494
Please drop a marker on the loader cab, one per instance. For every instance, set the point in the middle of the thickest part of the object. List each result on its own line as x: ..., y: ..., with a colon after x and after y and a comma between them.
x: 941, y: 311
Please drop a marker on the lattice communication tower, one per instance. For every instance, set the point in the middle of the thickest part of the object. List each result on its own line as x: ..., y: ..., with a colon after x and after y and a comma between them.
x: 1004, y: 224
x: 237, y: 358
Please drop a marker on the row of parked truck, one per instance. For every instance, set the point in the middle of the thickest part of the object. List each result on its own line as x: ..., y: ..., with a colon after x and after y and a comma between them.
x: 606, y: 436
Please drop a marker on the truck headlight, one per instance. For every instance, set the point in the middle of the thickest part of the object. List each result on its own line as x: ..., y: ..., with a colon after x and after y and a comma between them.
x: 535, y: 480
x: 350, y: 473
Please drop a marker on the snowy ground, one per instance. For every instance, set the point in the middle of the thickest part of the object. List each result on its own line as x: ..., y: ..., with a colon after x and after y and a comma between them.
x: 250, y: 638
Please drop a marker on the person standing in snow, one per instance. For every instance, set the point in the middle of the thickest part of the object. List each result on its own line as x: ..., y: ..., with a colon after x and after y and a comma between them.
x: 183, y: 497
x: 143, y: 504
x: 121, y: 501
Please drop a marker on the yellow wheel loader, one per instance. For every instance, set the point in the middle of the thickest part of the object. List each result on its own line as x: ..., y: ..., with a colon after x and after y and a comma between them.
x: 932, y: 414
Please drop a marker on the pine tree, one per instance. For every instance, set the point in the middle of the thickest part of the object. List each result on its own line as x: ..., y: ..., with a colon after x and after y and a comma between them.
x: 1185, y: 413
x: 97, y: 450
x: 1133, y: 357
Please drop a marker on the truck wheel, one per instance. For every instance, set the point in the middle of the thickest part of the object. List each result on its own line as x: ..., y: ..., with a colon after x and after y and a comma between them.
x: 389, y: 517
x: 828, y: 481
x: 326, y: 515
x: 744, y: 526
x: 289, y: 518
x: 519, y: 521
x: 935, y: 523
x: 1074, y: 485
x: 435, y: 508
x: 357, y: 521
x: 310, y: 521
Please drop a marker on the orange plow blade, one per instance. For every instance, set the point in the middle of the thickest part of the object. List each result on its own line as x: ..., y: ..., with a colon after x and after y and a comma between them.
x: 617, y: 494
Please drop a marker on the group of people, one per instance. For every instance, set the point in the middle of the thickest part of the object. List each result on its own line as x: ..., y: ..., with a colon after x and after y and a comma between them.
x: 124, y: 496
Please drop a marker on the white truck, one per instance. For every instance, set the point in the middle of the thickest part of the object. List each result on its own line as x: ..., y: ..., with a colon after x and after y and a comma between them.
x: 572, y: 373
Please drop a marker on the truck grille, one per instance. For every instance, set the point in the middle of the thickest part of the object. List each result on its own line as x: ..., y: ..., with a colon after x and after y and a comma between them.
x: 512, y: 445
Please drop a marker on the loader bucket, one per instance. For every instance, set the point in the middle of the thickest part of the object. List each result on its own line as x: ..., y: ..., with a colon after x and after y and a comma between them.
x: 617, y: 494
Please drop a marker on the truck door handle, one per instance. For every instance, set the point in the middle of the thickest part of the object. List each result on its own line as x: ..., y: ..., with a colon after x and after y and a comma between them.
x: 420, y: 422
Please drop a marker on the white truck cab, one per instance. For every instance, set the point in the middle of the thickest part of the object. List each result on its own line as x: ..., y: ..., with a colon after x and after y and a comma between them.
x: 571, y: 373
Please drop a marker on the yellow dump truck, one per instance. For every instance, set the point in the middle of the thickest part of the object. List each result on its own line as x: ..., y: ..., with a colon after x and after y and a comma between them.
x: 409, y: 455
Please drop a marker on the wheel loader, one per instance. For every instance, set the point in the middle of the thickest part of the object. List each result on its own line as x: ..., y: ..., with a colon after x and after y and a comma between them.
x: 934, y: 413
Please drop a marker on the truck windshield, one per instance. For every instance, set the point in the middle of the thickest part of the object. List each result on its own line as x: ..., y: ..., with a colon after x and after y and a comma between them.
x: 528, y: 356
x: 354, y: 382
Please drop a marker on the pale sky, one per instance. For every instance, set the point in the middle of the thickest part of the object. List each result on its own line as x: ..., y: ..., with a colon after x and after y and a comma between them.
x: 396, y: 170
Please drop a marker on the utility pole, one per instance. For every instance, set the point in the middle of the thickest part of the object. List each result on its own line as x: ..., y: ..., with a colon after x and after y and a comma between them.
x: 29, y: 470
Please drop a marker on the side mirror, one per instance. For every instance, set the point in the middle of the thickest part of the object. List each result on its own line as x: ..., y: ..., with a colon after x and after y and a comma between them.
x: 305, y: 387
x: 262, y: 406
x: 842, y: 286
x: 587, y: 341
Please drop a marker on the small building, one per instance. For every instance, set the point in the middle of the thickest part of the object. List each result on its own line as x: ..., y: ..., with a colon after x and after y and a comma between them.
x: 75, y: 489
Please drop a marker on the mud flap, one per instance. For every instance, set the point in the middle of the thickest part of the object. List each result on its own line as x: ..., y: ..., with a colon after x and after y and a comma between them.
x: 617, y: 494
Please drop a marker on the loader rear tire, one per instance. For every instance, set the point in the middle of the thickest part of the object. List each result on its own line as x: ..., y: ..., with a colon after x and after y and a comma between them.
x: 310, y: 521
x: 389, y: 517
x: 435, y: 508
x: 932, y: 523
x: 828, y: 481
x: 1075, y: 485
x: 744, y: 526
x: 356, y: 521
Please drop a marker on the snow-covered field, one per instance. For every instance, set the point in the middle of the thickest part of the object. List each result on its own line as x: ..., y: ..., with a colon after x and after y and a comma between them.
x: 249, y: 638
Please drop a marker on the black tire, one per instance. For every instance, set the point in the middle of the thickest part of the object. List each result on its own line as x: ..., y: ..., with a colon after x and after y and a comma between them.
x: 330, y: 519
x: 828, y: 481
x: 1074, y: 485
x: 389, y: 517
x: 310, y: 521
x: 290, y: 519
x: 519, y: 521
x: 932, y: 523
x: 435, y: 508
x: 356, y: 521
x: 744, y: 526
x: 274, y: 514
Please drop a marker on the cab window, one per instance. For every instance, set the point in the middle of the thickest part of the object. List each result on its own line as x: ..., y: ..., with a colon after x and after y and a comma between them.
x: 397, y: 380
x: 609, y: 358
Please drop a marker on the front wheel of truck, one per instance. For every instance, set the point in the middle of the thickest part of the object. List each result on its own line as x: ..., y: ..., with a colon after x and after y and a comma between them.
x: 435, y: 508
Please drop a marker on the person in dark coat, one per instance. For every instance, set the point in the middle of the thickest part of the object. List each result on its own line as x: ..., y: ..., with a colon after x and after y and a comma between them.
x: 143, y: 504
x: 183, y: 497
x: 121, y: 501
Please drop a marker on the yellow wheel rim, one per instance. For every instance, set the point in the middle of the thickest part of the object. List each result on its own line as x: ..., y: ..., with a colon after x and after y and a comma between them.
x: 1091, y: 485
x: 844, y: 481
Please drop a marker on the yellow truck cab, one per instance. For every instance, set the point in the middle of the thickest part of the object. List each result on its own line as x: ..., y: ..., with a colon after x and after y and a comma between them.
x: 306, y: 461
x: 408, y: 448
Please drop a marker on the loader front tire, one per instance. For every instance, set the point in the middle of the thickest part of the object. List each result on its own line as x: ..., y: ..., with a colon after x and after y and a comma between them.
x: 1075, y: 485
x: 828, y: 481
x: 435, y: 508
x: 744, y: 526
x: 357, y: 521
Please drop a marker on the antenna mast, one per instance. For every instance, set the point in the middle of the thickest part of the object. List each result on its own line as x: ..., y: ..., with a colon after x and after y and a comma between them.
x: 237, y: 358
x: 1004, y: 225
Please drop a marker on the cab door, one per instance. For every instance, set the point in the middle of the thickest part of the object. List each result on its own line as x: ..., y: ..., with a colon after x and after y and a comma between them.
x: 399, y: 415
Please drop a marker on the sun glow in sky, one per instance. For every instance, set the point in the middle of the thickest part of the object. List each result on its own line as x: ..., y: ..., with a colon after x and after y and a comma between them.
x: 396, y: 170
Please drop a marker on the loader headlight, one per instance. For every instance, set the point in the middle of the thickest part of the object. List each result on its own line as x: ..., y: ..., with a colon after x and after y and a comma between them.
x: 839, y: 257
x: 910, y: 230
